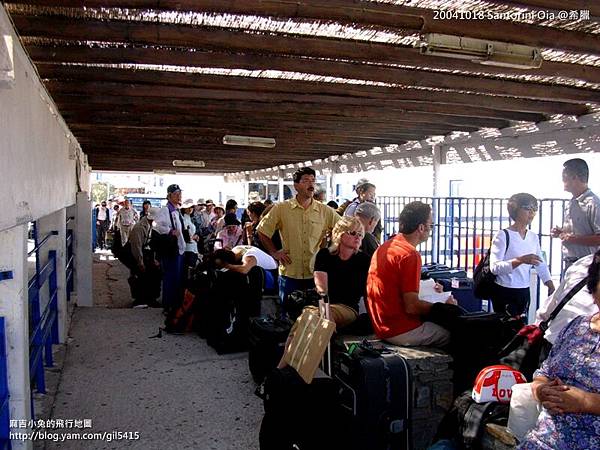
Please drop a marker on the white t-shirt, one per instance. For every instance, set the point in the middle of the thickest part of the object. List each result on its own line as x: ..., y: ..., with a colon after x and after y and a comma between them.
x: 263, y: 260
x: 500, y: 260
x: 102, y: 213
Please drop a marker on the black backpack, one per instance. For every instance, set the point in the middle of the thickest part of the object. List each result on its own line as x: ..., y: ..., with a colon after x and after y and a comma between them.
x: 465, y: 422
x: 483, y: 278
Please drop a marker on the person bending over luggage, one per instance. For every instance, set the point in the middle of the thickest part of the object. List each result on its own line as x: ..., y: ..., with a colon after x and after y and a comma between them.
x: 393, y: 284
x: 145, y: 276
x: 512, y: 261
x: 568, y: 383
x: 242, y: 258
x: 341, y: 271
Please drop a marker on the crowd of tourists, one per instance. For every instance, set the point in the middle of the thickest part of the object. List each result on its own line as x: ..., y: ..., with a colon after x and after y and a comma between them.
x: 337, y: 251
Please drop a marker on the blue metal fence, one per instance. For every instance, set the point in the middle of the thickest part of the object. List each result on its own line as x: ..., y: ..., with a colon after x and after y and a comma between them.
x: 464, y: 228
x: 69, y: 260
x: 43, y: 318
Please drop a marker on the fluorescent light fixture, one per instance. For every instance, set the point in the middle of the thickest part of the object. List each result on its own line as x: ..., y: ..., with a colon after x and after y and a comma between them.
x: 188, y: 163
x: 248, y: 141
x: 165, y: 172
x: 490, y: 53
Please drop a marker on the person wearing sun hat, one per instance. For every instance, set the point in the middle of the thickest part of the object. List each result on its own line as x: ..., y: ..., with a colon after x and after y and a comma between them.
x: 231, y: 234
x: 170, y: 222
x: 190, y: 256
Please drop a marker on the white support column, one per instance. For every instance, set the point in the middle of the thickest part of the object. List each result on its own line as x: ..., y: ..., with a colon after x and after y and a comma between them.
x: 47, y: 224
x: 14, y: 306
x: 437, y: 154
x: 280, y: 184
x: 334, y: 170
x: 83, y: 251
x: 437, y: 162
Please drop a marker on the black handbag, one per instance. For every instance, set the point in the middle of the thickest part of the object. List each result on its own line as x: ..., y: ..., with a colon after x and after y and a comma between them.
x: 527, y: 350
x: 165, y: 245
x: 483, y: 278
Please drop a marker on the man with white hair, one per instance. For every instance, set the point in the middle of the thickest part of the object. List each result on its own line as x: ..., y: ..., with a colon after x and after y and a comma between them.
x: 368, y: 214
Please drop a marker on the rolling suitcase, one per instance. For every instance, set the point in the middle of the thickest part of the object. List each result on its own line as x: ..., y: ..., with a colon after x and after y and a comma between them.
x: 426, y: 269
x: 376, y: 395
x: 266, y: 337
x: 299, y: 415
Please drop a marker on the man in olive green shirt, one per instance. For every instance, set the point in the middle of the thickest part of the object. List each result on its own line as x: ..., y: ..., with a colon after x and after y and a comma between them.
x: 302, y: 223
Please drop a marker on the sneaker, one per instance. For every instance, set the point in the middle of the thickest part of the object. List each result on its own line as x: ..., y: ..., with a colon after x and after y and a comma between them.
x: 139, y: 306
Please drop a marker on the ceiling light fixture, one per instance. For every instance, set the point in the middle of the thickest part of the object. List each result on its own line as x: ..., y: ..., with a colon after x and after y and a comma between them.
x: 248, y: 141
x: 188, y: 163
x: 164, y: 172
x: 490, y: 53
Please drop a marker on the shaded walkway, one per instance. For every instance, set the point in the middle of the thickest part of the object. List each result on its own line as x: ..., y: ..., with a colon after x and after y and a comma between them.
x: 175, y: 390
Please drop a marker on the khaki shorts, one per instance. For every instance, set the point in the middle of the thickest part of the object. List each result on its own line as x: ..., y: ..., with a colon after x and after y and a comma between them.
x: 342, y: 315
x: 428, y: 334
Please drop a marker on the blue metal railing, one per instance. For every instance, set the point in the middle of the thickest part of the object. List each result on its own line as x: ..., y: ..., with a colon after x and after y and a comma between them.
x: 43, y: 323
x: 464, y: 228
x: 69, y: 261
x: 4, y: 394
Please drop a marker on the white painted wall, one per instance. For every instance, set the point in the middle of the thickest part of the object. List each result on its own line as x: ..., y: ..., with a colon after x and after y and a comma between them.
x: 37, y: 176
x: 42, y: 169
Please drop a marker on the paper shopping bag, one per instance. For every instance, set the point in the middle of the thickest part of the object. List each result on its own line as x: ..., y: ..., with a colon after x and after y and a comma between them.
x: 310, y: 336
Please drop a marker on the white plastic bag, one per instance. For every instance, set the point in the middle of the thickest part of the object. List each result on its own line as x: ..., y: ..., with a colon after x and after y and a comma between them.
x: 524, y: 410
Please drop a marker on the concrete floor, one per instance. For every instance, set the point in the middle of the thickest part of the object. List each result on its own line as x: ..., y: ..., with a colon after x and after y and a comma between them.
x: 175, y: 390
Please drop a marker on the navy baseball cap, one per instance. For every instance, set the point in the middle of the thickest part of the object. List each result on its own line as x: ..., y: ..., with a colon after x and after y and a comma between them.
x: 173, y: 188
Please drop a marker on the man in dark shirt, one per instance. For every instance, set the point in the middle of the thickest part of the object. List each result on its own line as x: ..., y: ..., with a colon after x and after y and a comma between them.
x: 369, y: 215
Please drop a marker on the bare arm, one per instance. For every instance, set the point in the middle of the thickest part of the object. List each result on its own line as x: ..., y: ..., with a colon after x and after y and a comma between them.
x: 413, y: 305
x: 279, y: 255
x: 321, y: 281
x: 591, y: 240
x: 248, y: 262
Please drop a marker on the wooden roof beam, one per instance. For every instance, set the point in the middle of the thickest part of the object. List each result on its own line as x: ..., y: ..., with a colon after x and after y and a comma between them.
x: 118, y: 89
x: 405, y: 56
x: 370, y: 13
x: 413, y: 96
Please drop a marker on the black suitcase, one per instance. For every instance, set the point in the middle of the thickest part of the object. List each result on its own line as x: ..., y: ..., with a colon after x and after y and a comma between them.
x: 376, y: 394
x: 300, y: 416
x: 426, y: 269
x: 266, y: 337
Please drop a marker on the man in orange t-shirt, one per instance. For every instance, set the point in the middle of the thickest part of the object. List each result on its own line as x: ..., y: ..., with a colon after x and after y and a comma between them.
x: 393, y: 284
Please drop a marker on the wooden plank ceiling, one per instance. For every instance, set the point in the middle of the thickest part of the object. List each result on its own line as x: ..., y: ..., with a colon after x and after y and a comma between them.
x: 143, y: 82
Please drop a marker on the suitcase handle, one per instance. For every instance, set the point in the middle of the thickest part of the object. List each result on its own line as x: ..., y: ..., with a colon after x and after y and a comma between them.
x: 325, y: 312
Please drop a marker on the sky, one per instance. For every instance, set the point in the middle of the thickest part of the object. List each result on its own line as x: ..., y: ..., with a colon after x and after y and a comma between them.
x: 540, y: 177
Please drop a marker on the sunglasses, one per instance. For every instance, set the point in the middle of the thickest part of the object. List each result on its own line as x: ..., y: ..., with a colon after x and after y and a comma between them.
x: 355, y: 233
x: 533, y: 208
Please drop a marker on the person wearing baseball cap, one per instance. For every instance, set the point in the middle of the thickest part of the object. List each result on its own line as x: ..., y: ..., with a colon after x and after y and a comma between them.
x: 169, y: 226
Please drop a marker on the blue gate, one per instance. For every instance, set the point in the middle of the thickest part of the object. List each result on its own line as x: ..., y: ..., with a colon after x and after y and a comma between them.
x: 43, y: 319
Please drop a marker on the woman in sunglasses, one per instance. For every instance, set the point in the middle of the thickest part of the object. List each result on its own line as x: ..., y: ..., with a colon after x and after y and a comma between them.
x: 341, y: 271
x: 514, y: 251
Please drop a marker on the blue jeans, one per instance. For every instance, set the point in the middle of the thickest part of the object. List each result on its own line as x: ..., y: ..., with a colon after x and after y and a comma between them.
x: 288, y: 285
x: 173, y: 278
